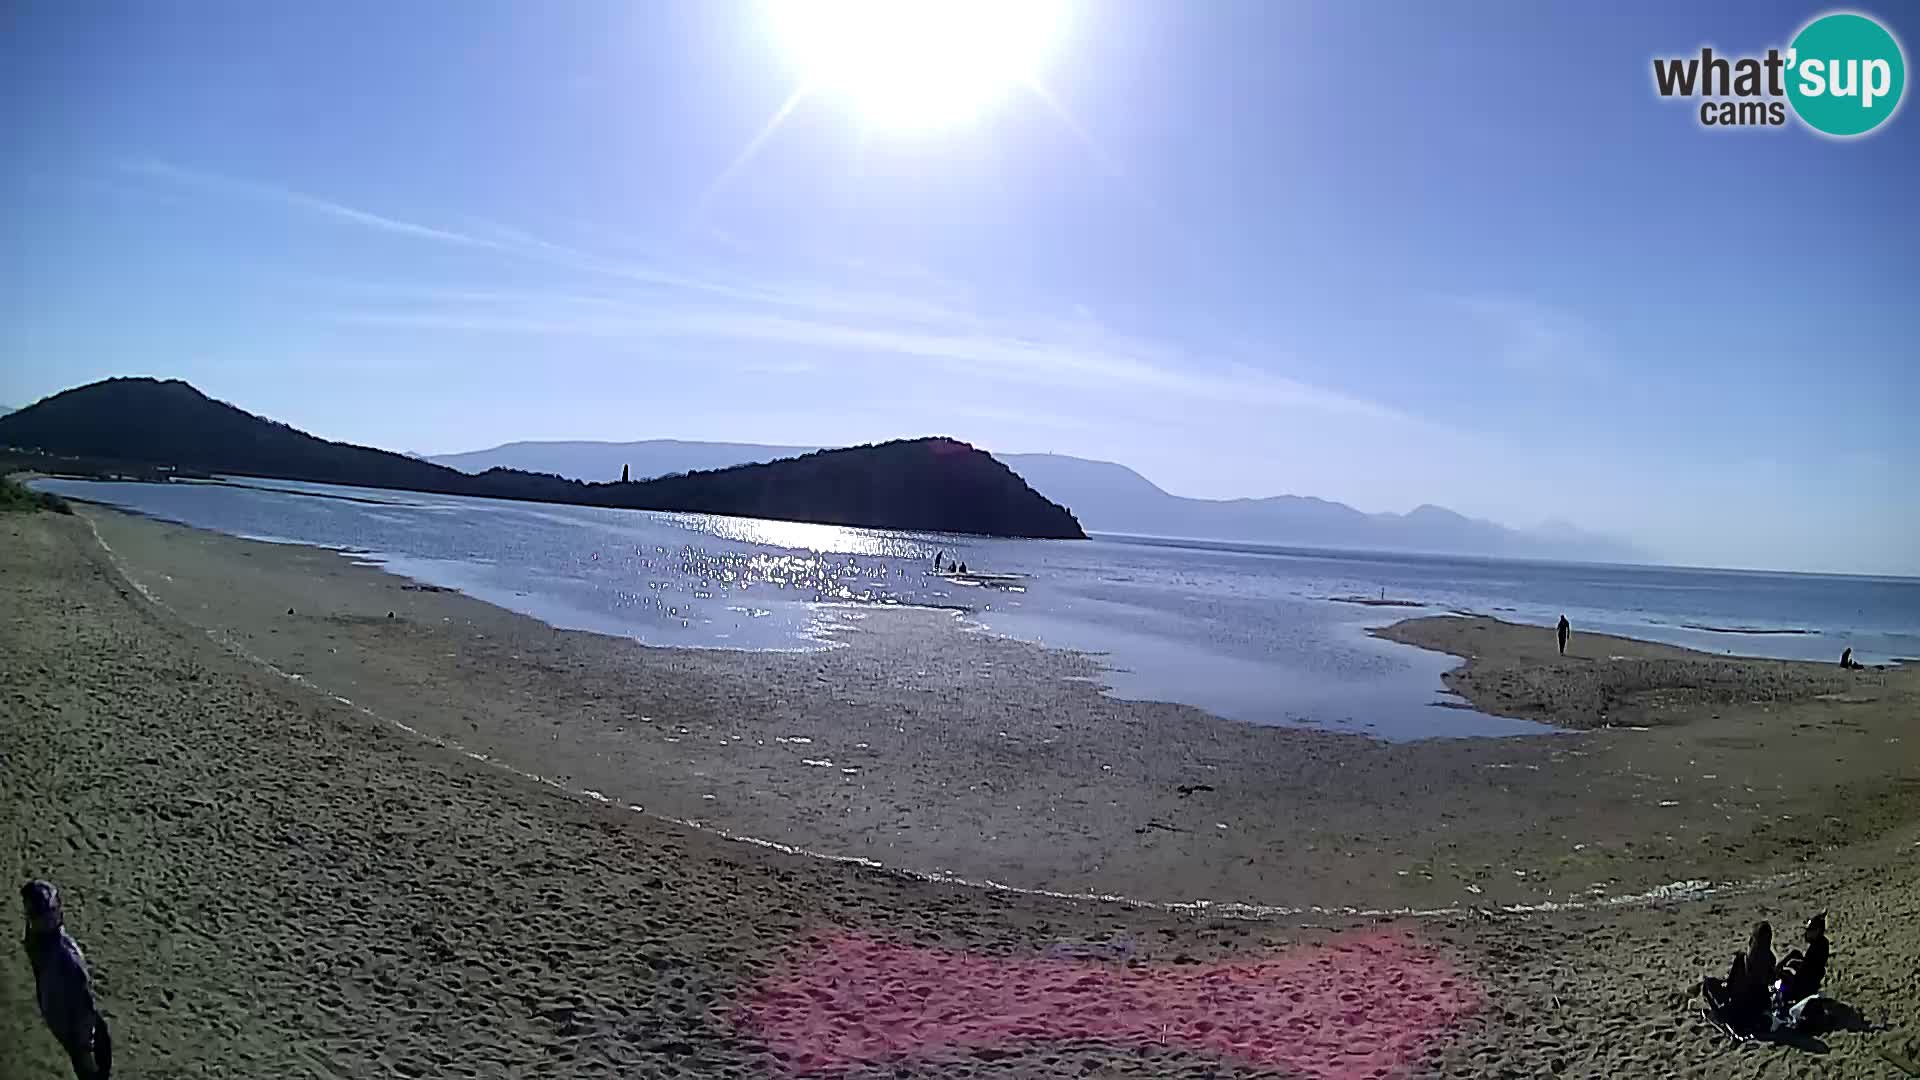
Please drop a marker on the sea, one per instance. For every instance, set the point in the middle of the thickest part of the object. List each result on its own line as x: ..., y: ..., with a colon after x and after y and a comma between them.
x: 1256, y: 633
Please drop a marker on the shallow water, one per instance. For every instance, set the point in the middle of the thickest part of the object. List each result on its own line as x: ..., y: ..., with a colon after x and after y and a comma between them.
x: 1243, y: 631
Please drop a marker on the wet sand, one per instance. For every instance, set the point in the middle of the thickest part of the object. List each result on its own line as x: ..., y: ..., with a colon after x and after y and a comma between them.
x: 1607, y: 681
x: 271, y: 881
x: 993, y: 760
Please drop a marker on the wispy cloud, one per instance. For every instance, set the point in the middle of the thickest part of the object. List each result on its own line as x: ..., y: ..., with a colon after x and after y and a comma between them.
x: 1531, y: 338
x: 523, y: 246
x: 645, y: 301
x: 224, y: 185
x: 491, y: 237
x: 1003, y: 354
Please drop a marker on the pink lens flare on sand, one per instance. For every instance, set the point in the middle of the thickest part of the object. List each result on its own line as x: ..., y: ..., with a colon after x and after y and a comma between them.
x: 1360, y: 1004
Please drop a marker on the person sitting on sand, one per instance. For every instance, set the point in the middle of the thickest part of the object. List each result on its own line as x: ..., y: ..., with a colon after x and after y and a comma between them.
x: 1803, y: 972
x: 1796, y: 993
x: 1760, y: 965
x: 1741, y: 1000
x: 1720, y: 994
x: 1849, y: 663
x: 1565, y: 630
x: 963, y: 568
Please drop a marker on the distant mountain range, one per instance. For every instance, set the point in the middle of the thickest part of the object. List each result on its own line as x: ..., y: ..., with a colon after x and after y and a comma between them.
x: 932, y: 485
x: 1107, y: 497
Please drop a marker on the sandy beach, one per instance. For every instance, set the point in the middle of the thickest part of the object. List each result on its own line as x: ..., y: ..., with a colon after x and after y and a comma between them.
x: 352, y: 873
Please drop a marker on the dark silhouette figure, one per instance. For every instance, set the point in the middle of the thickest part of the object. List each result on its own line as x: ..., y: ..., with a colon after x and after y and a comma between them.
x: 1742, y: 999
x: 1565, y: 630
x: 963, y: 568
x: 936, y: 560
x: 1724, y: 995
x: 625, y: 477
x: 1797, y: 1006
x: 1758, y: 998
x: 60, y: 982
x: 1760, y: 965
x: 1849, y: 663
x: 1803, y: 972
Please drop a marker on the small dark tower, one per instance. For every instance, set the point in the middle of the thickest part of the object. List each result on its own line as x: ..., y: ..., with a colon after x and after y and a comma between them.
x: 623, y: 474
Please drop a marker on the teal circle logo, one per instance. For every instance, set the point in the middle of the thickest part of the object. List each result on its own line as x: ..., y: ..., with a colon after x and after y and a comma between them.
x: 1845, y: 74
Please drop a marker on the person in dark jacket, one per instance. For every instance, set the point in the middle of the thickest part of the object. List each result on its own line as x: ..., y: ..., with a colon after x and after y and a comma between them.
x: 1803, y: 972
x: 1760, y: 968
x: 1565, y: 630
x: 62, y: 985
x: 1742, y: 999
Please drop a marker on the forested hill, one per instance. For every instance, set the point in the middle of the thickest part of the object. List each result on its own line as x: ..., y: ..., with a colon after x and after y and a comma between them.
x: 936, y: 485
x: 148, y: 421
x: 923, y: 485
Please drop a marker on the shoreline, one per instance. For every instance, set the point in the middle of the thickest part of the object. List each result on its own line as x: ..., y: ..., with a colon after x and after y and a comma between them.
x: 1429, y: 633
x: 1652, y: 631
x: 226, y: 837
x: 155, y: 476
x: 1679, y: 890
x: 1603, y: 680
x: 988, y: 759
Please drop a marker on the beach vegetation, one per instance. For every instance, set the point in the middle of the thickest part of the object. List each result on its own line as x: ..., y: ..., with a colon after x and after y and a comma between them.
x: 16, y: 497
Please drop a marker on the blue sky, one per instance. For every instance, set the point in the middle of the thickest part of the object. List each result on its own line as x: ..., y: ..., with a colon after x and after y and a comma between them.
x: 1387, y: 254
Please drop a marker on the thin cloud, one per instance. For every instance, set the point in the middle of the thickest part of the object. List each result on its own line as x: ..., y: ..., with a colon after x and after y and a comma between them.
x: 1080, y: 353
x: 518, y: 244
x: 981, y: 353
x: 337, y: 211
x: 1532, y: 338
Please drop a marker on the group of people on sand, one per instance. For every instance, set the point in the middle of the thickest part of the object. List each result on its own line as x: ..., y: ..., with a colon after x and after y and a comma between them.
x: 952, y: 566
x: 1761, y: 997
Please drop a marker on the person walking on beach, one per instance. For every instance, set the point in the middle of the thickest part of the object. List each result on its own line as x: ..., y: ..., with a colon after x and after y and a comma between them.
x: 1565, y: 630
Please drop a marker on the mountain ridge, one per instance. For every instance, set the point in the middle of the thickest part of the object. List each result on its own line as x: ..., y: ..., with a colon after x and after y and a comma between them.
x: 1110, y: 497
x: 935, y: 484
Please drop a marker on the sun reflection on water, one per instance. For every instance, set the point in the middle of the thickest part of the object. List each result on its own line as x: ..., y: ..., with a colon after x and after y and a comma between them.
x: 806, y: 536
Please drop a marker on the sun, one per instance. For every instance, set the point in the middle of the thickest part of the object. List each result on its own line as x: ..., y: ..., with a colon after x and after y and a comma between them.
x: 908, y: 64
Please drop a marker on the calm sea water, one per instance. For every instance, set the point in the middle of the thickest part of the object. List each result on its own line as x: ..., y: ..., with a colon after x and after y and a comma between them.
x: 1243, y: 631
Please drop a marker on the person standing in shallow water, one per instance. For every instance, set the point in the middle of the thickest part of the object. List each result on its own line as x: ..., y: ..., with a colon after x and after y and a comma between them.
x: 1565, y: 631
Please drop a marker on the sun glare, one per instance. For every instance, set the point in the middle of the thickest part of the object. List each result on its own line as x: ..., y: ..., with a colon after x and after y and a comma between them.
x: 917, y: 63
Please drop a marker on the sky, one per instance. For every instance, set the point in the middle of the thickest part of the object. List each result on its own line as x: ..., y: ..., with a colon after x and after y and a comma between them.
x: 1389, y: 254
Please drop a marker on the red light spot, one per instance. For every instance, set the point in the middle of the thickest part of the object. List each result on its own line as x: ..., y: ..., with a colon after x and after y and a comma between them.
x: 1360, y: 1005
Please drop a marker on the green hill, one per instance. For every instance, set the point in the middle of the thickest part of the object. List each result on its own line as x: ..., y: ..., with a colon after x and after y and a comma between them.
x: 934, y: 485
